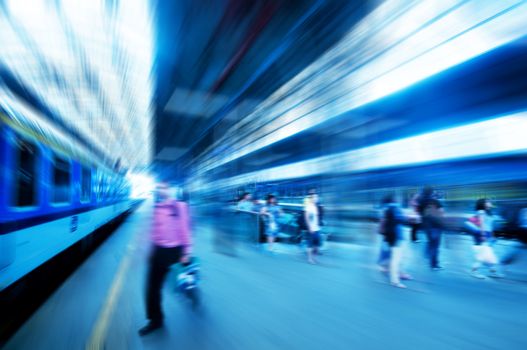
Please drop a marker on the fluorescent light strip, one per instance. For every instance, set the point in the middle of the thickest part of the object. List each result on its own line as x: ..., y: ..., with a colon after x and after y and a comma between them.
x: 360, y: 41
x: 499, y: 136
x: 469, y: 31
x: 364, y: 46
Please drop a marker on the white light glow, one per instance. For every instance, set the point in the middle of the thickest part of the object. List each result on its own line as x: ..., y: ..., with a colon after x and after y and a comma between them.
x: 499, y: 136
x: 399, y: 44
x: 142, y: 185
x: 90, y: 62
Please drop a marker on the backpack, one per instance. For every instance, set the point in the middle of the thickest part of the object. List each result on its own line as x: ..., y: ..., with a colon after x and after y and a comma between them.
x: 390, y: 225
x: 301, y: 221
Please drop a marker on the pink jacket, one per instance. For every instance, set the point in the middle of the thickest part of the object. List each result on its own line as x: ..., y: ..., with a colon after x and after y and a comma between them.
x: 171, y: 225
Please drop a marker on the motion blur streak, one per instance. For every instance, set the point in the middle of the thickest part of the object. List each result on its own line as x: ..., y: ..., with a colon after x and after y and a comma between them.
x: 89, y: 63
x: 399, y: 44
x: 507, y: 135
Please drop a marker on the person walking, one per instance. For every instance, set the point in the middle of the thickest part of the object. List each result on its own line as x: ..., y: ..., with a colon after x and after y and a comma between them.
x: 312, y: 220
x: 171, y: 243
x: 245, y: 203
x: 415, y: 223
x: 483, y: 221
x: 270, y: 214
x: 432, y: 213
x: 392, y: 231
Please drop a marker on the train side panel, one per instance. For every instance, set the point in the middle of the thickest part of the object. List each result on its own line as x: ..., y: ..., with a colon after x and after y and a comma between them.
x: 57, y: 216
x: 37, y: 244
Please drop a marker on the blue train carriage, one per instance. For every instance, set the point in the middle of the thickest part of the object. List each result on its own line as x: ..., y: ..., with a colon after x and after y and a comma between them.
x: 53, y: 194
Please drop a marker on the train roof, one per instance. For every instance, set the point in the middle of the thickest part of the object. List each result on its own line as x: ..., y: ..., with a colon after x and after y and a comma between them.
x: 28, y: 122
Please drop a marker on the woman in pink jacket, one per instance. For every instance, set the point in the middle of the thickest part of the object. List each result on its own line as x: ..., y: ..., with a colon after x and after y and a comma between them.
x: 170, y: 235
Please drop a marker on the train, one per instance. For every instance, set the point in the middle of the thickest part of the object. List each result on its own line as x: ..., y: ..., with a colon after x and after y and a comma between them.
x: 55, y: 193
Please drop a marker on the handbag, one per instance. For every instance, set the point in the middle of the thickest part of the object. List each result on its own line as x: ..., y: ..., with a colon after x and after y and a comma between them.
x: 475, y: 220
x: 485, y: 254
x: 183, y: 277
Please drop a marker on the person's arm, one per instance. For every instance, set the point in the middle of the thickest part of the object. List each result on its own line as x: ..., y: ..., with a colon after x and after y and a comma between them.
x: 493, y: 220
x: 307, y: 221
x: 381, y: 225
x: 380, y: 216
x: 414, y: 202
x: 481, y: 218
x: 321, y: 215
x: 186, y: 236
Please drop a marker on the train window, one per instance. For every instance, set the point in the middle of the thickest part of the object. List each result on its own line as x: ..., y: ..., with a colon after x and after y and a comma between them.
x: 96, y: 178
x: 26, y: 173
x: 109, y: 189
x: 85, y: 184
x: 61, y: 180
x: 107, y: 185
x: 100, y: 187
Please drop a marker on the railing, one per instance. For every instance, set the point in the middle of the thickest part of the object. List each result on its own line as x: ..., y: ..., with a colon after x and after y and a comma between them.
x: 248, y: 226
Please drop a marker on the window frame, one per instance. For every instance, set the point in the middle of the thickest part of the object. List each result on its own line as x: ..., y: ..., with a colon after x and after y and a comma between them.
x: 88, y: 198
x: 101, y: 178
x: 67, y: 160
x: 15, y: 163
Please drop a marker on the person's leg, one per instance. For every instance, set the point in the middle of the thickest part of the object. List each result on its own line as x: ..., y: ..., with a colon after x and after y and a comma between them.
x: 310, y: 249
x: 475, y: 270
x: 384, y: 257
x: 160, y: 261
x: 310, y: 255
x: 153, y: 293
x: 496, y: 271
x: 156, y: 275
x: 434, y: 248
x: 415, y: 227
x: 270, y: 241
x: 428, y: 249
x: 494, y: 265
x: 394, y: 267
x: 477, y: 264
x: 316, y: 242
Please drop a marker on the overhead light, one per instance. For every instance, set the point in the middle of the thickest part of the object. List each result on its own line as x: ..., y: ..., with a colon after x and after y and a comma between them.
x: 499, y: 136
x: 397, y: 45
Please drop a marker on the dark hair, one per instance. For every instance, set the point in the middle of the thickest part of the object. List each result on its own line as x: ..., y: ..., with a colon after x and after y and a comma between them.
x: 481, y: 204
x: 269, y: 197
x: 389, y: 198
x: 245, y: 194
x: 428, y: 191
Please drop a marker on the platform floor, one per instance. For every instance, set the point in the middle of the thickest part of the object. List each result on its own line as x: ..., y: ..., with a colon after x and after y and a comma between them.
x: 258, y: 300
